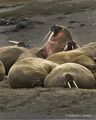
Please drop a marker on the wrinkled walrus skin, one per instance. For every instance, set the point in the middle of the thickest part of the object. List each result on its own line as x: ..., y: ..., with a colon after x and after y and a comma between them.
x: 60, y: 35
x: 9, y: 54
x: 69, y: 72
x: 84, y: 55
x: 29, y: 53
x: 29, y: 72
x: 2, y: 71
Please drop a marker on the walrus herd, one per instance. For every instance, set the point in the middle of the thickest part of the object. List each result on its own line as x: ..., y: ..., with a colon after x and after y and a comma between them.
x: 61, y: 62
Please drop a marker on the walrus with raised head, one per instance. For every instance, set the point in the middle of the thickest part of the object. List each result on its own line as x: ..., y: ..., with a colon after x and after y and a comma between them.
x: 70, y: 75
x: 29, y: 72
x: 59, y: 36
x: 84, y: 55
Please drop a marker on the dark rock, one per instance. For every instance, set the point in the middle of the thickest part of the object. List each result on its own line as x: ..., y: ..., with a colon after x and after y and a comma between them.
x: 29, y: 23
x: 73, y: 21
x: 3, y: 22
x: 25, y: 19
x: 10, y: 23
x: 12, y: 19
x: 21, y: 25
x: 82, y: 25
x: 13, y: 29
x: 70, y: 27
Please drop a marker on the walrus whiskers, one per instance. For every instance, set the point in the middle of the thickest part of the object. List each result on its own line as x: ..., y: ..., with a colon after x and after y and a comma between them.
x: 69, y: 85
x: 15, y: 42
x: 75, y: 84
x: 47, y: 35
x: 51, y: 35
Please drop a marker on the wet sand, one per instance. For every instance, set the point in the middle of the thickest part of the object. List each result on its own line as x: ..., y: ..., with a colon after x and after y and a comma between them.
x: 49, y: 103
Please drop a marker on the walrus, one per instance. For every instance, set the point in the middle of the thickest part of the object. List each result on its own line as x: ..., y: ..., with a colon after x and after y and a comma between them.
x: 70, y: 75
x: 9, y: 54
x: 29, y: 72
x: 29, y: 53
x: 2, y: 71
x: 84, y: 55
x: 59, y: 36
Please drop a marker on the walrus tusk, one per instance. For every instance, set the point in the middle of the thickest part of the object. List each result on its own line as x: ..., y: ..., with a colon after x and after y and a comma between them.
x: 15, y: 42
x: 65, y: 47
x: 69, y: 85
x: 51, y: 35
x: 72, y: 48
x: 75, y: 84
x: 77, y: 46
x: 47, y: 35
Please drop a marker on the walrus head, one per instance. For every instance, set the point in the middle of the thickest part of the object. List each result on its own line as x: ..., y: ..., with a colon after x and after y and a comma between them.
x: 20, y: 43
x: 56, y: 40
x: 53, y: 32
x: 69, y: 81
x: 70, y: 45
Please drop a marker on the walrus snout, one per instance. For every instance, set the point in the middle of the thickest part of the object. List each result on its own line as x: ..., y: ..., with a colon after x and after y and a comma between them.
x: 56, y: 29
x: 69, y: 81
x: 20, y: 43
x: 93, y: 68
x: 70, y: 45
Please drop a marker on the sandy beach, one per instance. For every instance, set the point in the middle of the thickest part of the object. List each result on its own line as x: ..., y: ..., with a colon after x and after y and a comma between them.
x: 38, y: 16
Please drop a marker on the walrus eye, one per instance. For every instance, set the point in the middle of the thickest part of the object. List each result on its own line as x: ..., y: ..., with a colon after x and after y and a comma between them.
x: 56, y: 29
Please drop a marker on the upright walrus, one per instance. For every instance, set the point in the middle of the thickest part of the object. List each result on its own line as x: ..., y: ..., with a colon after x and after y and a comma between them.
x: 59, y: 36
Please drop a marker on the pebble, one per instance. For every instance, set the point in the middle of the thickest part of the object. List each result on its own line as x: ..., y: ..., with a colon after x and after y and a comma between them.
x: 82, y: 25
x: 21, y: 25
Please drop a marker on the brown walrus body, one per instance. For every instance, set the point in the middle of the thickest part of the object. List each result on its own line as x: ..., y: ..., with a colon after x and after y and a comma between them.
x: 29, y: 53
x: 9, y: 54
x: 84, y: 55
x: 56, y: 42
x: 29, y: 72
x: 66, y: 73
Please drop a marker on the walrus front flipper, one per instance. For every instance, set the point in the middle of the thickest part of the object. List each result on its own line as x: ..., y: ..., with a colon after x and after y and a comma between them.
x: 41, y: 53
